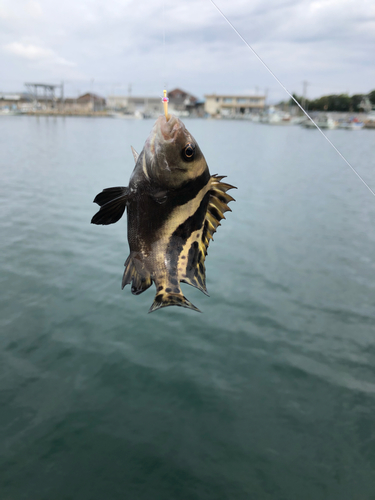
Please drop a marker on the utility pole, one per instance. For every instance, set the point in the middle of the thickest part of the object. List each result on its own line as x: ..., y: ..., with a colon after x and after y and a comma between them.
x: 304, y: 93
x: 92, y: 96
x: 62, y: 96
x: 130, y: 107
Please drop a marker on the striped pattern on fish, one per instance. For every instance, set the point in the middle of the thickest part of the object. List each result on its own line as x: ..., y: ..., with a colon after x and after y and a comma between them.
x: 174, y: 206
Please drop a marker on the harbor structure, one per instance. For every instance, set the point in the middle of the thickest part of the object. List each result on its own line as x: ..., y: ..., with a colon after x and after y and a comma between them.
x: 229, y: 105
x: 44, y: 93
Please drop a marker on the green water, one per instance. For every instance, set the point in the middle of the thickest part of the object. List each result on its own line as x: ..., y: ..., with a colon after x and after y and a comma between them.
x: 269, y: 394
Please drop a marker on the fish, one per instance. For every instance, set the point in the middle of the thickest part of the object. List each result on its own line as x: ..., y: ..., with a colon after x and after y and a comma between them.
x: 174, y: 207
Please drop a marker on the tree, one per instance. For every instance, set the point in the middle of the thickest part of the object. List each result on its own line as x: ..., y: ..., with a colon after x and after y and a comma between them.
x: 356, y: 101
x: 371, y: 96
x: 333, y: 102
x: 297, y: 98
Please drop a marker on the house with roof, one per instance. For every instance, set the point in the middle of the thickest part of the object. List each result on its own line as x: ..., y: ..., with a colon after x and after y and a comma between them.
x: 183, y: 103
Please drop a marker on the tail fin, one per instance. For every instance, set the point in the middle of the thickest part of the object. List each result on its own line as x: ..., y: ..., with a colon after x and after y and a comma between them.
x: 171, y: 299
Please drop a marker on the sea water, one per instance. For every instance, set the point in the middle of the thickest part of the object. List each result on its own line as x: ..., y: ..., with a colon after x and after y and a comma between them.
x: 268, y: 394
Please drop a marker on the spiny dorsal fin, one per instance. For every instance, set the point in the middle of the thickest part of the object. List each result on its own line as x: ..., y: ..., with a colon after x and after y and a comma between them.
x: 217, y: 206
x: 134, y: 274
x: 135, y: 154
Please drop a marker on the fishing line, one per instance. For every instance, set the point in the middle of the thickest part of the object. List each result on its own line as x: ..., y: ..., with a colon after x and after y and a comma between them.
x: 291, y: 96
x: 164, y: 52
x: 165, y: 98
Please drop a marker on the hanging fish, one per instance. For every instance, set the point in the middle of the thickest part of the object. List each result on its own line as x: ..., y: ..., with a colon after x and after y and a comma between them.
x: 174, y: 208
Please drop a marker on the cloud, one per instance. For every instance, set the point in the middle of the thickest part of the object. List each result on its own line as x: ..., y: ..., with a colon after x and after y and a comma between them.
x: 36, y: 54
x: 10, y: 10
x: 327, y: 42
x: 34, y: 9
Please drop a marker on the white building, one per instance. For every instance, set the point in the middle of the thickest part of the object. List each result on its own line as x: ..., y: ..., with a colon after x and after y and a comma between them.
x: 231, y: 105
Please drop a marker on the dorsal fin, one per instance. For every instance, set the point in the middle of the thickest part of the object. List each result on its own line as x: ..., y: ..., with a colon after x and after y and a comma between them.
x: 217, y: 206
x: 135, y: 154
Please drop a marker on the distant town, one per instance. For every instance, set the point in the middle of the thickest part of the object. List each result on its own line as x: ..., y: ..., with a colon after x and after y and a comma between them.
x: 334, y: 111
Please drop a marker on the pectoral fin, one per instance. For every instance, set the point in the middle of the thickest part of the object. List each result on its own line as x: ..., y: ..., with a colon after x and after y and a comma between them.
x: 113, y: 203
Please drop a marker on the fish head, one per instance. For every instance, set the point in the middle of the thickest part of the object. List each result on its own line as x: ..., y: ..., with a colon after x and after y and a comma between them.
x: 173, y: 156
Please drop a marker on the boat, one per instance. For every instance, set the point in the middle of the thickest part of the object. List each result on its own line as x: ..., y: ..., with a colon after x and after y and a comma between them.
x: 370, y: 121
x: 352, y: 124
x: 9, y: 112
x: 322, y: 121
x: 275, y: 117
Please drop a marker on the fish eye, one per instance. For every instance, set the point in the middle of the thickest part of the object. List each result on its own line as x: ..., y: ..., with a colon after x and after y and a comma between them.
x: 188, y: 152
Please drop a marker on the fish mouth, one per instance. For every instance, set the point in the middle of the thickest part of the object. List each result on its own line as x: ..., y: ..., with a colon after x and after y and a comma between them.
x: 163, y: 131
x: 168, y: 128
x: 160, y: 147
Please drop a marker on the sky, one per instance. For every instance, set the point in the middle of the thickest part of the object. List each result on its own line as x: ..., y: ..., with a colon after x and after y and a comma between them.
x: 111, y: 46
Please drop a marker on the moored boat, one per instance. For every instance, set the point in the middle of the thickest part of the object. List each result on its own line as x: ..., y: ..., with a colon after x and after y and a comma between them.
x: 323, y: 121
x: 352, y: 124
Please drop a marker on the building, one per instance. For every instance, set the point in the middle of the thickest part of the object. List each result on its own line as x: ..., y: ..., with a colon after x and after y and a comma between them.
x: 13, y: 101
x: 179, y: 100
x: 86, y: 103
x: 180, y: 103
x: 90, y: 102
x: 185, y: 104
x: 146, y: 106
x: 232, y: 105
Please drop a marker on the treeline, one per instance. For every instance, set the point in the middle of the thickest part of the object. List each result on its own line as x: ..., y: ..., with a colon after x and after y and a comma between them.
x: 340, y: 102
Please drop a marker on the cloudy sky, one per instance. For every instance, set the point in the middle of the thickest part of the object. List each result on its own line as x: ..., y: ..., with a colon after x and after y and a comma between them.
x: 107, y: 45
